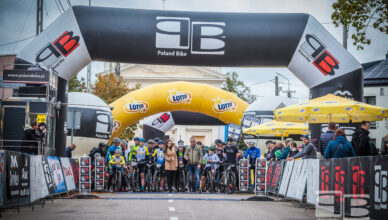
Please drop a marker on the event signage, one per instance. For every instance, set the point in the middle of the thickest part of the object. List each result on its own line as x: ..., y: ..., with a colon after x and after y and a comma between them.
x: 244, y: 175
x: 26, y: 76
x: 99, y: 173
x: 234, y: 131
x: 75, y: 167
x: 68, y: 173
x: 85, y: 175
x: 261, y: 179
x: 2, y: 180
x: 56, y: 172
x: 13, y: 174
x: 25, y: 176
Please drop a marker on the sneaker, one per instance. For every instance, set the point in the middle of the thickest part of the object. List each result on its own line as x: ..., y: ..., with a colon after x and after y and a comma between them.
x: 111, y: 189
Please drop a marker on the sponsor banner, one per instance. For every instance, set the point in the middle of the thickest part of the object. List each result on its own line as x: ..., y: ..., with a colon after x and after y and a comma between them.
x: 244, y: 175
x: 249, y: 121
x: 48, y: 176
x: 301, y: 181
x: 274, y: 176
x: 319, y: 57
x: 293, y: 187
x: 75, y: 168
x: 26, y: 76
x: 312, y: 180
x: 286, y: 177
x: 25, y: 176
x: 162, y: 121
x: 99, y: 173
x: 14, y: 165
x: 136, y: 106
x: 56, y: 172
x: 38, y: 185
x: 379, y: 187
x: 234, y: 131
x: 85, y: 175
x: 179, y: 97
x: 68, y: 173
x: 60, y: 46
x: 224, y: 105
x: 2, y: 174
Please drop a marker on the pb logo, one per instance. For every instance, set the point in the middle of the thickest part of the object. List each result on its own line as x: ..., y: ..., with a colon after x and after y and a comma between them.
x: 62, y: 46
x: 199, y: 37
x: 316, y: 50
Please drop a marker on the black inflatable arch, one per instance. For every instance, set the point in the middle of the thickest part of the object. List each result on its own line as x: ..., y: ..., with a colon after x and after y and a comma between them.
x: 296, y: 41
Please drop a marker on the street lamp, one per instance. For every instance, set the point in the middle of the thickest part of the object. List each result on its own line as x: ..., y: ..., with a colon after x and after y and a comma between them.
x: 288, y: 91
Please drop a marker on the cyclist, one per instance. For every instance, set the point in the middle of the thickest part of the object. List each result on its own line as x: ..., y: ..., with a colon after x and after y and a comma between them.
x: 100, y: 149
x: 211, y: 164
x: 112, y: 149
x: 230, y: 154
x: 151, y: 149
x: 193, y: 155
x: 158, y: 157
x: 219, y: 151
x: 181, y: 160
x: 117, y: 161
x: 129, y: 158
x: 253, y: 153
x: 141, y: 154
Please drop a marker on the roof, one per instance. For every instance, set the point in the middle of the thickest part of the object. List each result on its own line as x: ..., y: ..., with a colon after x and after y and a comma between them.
x: 376, y: 72
x: 270, y: 103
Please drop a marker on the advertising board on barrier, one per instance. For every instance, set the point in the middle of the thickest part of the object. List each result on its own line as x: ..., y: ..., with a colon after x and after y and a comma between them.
x: 38, y: 184
x: 47, y: 175
x: 68, y: 173
x: 2, y: 155
x: 25, y: 176
x: 75, y: 167
x: 56, y: 172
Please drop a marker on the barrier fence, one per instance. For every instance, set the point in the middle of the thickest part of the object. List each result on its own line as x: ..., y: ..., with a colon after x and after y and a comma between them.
x: 26, y: 179
x: 312, y: 181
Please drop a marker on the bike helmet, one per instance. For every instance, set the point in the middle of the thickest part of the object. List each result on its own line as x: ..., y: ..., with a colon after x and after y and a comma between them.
x: 157, y: 140
x: 124, y: 143
x: 116, y: 140
x: 229, y: 139
x: 160, y: 142
x: 218, y: 141
x: 142, y: 140
x: 206, y: 148
x: 150, y: 141
x: 136, y: 139
x: 212, y: 148
x: 118, y: 151
x: 101, y: 144
x: 181, y: 143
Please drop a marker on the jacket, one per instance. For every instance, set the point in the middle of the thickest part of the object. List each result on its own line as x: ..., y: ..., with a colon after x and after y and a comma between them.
x: 94, y: 151
x: 325, y: 139
x: 68, y: 152
x: 30, y: 140
x: 384, y: 145
x: 345, y: 149
x: 253, y: 153
x: 114, y: 160
x: 360, y: 142
x: 112, y: 149
x: 171, y: 160
x: 194, y: 155
x: 308, y: 152
x: 214, y: 158
x: 285, y: 153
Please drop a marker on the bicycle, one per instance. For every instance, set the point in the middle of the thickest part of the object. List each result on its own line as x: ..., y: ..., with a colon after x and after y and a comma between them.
x: 135, y: 177
x: 149, y: 187
x: 182, y: 178
x: 228, y: 178
x: 211, y: 182
x: 157, y: 177
x: 117, y: 180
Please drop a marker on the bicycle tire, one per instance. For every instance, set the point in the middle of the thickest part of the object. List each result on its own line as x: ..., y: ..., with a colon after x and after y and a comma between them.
x: 156, y: 182
x: 118, y: 181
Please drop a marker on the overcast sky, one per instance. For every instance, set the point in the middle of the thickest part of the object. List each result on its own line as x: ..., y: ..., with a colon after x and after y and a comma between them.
x: 18, y: 17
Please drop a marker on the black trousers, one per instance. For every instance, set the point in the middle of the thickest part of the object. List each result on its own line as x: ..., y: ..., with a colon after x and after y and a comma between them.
x: 170, y: 174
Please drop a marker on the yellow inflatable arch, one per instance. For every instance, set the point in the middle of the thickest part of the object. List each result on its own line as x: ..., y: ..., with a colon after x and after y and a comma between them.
x: 177, y: 96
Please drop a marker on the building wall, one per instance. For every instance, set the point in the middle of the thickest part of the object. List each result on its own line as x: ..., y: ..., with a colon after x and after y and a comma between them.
x: 381, y: 101
x: 206, y: 134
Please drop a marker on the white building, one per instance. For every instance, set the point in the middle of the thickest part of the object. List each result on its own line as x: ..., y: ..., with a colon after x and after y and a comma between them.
x: 376, y: 93
x: 146, y: 75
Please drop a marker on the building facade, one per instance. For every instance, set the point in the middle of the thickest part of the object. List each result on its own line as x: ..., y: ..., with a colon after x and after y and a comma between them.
x: 376, y: 93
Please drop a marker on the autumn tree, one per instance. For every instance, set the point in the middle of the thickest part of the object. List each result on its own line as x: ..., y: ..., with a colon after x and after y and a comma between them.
x: 360, y: 15
x: 234, y: 85
x: 109, y: 89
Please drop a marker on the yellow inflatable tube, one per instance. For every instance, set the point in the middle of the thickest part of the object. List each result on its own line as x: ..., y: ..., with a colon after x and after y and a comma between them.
x: 177, y: 96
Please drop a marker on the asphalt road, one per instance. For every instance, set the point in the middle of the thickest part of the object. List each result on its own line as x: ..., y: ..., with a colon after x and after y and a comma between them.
x: 163, y: 206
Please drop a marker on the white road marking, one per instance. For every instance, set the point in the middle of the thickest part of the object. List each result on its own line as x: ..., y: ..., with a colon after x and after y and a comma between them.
x: 173, y: 218
x: 169, y: 194
x: 171, y: 209
x: 170, y: 201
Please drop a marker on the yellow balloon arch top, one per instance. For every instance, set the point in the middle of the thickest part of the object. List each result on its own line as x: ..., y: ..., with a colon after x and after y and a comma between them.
x: 176, y: 96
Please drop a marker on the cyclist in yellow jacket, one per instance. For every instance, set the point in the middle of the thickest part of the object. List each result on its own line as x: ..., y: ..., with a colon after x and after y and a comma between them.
x: 117, y: 161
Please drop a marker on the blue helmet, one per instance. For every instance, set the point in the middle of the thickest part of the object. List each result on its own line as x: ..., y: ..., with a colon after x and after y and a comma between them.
x: 142, y: 140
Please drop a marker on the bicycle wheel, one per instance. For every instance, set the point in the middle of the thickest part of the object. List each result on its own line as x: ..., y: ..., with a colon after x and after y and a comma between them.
x: 182, y: 181
x: 209, y: 181
x: 221, y: 184
x: 135, y: 181
x: 231, y: 183
x: 118, y: 181
x: 148, y: 180
x: 156, y: 184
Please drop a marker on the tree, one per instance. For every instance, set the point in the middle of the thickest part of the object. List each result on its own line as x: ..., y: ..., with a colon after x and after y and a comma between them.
x: 109, y: 89
x: 234, y: 85
x: 359, y: 14
x: 76, y: 85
